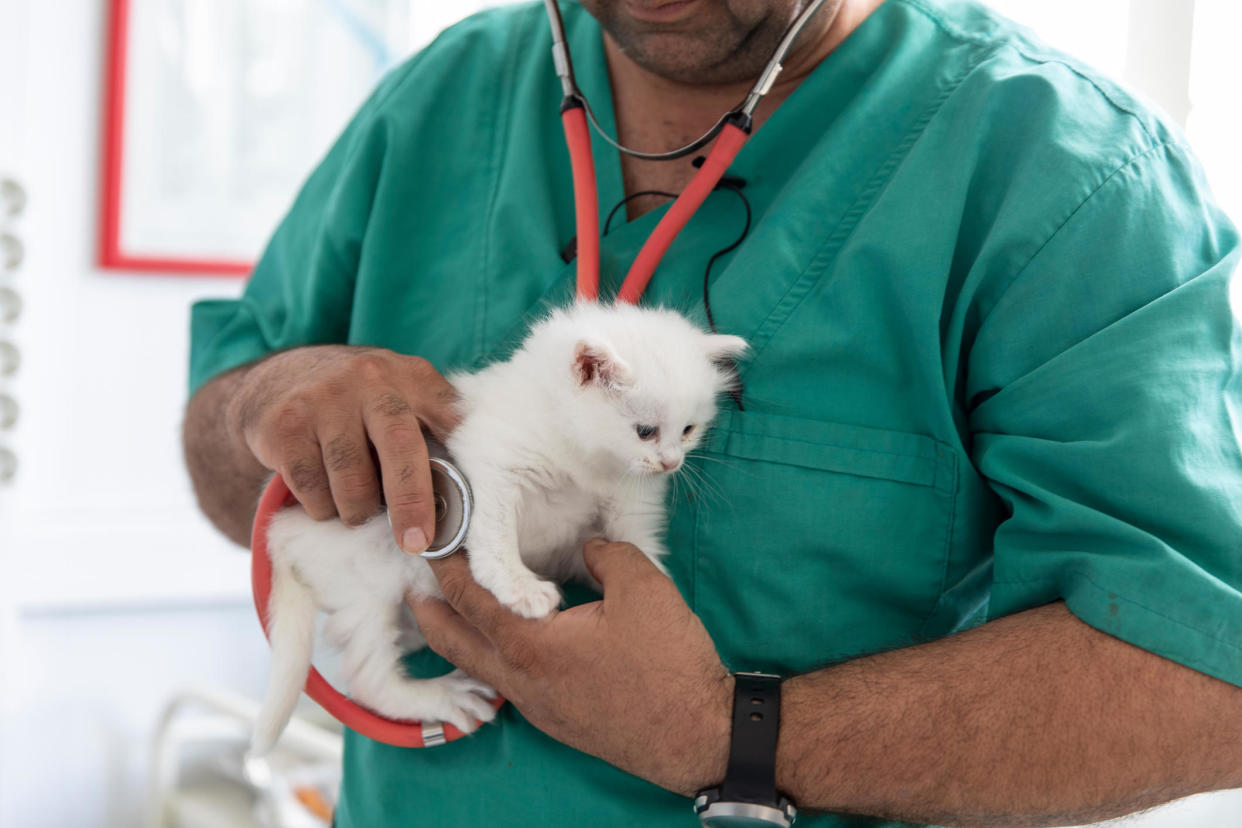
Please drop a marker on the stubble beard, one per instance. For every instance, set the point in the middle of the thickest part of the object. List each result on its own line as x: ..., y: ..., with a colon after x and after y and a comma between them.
x: 714, y: 46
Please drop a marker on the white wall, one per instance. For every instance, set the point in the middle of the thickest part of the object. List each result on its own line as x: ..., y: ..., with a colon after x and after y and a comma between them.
x: 103, y: 375
x: 113, y: 591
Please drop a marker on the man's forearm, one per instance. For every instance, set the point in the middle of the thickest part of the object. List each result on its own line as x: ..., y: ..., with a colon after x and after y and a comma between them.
x: 1034, y: 719
x: 227, y: 478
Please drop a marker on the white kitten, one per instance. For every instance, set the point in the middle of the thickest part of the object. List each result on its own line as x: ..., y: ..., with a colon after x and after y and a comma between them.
x: 574, y: 436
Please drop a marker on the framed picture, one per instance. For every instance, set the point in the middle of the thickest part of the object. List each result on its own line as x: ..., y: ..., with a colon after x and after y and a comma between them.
x: 215, y: 111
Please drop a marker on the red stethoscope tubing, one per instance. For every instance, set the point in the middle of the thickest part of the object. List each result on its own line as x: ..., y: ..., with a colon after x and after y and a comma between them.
x: 586, y: 199
x: 586, y: 205
x: 586, y: 216
x: 380, y: 728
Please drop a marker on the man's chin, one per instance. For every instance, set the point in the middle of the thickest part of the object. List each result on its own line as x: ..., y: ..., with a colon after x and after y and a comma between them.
x: 685, y: 57
x: 703, y: 46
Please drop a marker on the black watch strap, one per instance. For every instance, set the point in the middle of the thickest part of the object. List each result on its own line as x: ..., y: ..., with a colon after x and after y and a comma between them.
x: 750, y: 779
x: 752, y: 750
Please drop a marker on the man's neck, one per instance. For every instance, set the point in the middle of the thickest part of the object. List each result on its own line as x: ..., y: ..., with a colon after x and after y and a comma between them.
x: 656, y: 114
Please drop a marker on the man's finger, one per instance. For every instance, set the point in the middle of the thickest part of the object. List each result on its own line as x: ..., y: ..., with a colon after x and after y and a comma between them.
x: 305, y: 476
x: 454, y: 639
x: 617, y: 565
x: 351, y: 474
x: 398, y: 439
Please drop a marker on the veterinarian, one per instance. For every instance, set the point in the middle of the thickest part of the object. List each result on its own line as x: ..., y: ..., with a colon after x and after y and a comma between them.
x: 979, y: 507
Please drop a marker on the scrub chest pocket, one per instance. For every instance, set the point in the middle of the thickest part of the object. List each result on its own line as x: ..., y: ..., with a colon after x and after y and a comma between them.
x: 816, y: 541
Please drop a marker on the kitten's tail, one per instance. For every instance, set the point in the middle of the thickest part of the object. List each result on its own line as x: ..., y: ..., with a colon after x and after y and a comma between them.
x: 291, y: 630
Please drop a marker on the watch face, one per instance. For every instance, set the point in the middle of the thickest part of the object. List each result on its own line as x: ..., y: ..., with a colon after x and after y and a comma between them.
x: 738, y: 822
x: 744, y: 815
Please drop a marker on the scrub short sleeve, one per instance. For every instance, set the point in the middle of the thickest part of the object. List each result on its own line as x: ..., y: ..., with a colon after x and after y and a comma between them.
x: 1104, y: 411
x: 300, y: 292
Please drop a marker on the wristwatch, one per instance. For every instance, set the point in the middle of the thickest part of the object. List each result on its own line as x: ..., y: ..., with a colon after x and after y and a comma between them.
x: 747, y: 798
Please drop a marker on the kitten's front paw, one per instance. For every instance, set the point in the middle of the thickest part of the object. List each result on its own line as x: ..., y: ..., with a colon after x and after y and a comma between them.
x: 529, y: 597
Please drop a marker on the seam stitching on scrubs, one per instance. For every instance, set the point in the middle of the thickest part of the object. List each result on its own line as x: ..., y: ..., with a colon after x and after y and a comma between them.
x: 830, y: 444
x: 948, y: 541
x: 1055, y: 581
x: 950, y: 29
x: 818, y: 264
x: 759, y: 457
x: 1126, y: 165
x: 998, y: 44
x: 501, y: 117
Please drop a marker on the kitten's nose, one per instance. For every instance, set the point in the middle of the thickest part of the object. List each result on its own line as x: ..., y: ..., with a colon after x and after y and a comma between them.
x: 669, y: 465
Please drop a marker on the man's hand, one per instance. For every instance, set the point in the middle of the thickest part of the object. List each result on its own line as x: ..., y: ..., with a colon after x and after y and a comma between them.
x: 633, y: 679
x: 316, y: 414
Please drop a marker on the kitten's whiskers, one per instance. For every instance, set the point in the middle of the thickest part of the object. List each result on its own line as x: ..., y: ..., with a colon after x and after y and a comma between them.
x: 701, y: 484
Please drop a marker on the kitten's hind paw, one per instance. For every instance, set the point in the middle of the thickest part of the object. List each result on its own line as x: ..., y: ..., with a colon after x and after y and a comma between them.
x: 466, y: 701
x: 529, y: 597
x: 462, y: 682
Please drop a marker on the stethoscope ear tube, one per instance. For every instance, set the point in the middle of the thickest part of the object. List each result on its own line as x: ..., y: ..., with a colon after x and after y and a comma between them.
x: 372, y: 725
x: 586, y: 203
x: 726, y: 148
x: 734, y: 128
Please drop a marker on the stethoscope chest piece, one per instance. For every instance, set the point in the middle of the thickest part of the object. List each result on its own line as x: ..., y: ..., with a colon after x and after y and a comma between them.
x: 454, y: 502
x: 454, y: 505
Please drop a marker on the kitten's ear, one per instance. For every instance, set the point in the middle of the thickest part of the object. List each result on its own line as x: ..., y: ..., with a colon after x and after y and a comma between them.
x: 722, y: 347
x: 597, y: 364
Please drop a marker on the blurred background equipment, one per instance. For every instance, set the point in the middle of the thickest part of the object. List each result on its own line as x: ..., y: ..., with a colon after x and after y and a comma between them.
x: 115, y: 594
x: 201, y: 779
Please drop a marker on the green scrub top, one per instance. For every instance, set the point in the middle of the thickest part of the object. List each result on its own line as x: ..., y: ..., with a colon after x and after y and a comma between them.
x: 993, y: 356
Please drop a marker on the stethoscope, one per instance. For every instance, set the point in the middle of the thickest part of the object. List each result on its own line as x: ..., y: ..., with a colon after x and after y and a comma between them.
x: 452, y: 494
x: 730, y: 132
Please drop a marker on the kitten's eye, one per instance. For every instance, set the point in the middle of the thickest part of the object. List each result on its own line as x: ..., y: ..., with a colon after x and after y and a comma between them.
x: 685, y: 432
x: 645, y: 432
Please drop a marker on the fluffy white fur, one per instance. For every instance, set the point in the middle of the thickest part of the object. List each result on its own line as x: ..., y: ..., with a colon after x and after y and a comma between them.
x: 551, y: 443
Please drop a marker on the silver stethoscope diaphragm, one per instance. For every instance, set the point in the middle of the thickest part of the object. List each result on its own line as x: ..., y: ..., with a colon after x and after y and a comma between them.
x: 454, y: 504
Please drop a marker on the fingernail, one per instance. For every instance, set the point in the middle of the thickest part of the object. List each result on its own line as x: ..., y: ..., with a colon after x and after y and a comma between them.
x: 414, y: 541
x: 593, y: 542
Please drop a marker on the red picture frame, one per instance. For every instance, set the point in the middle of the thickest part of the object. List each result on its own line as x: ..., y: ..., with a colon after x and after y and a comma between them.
x: 112, y: 255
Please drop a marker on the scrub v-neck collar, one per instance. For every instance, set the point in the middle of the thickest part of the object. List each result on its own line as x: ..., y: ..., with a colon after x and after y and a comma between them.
x: 769, y: 163
x: 776, y: 148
